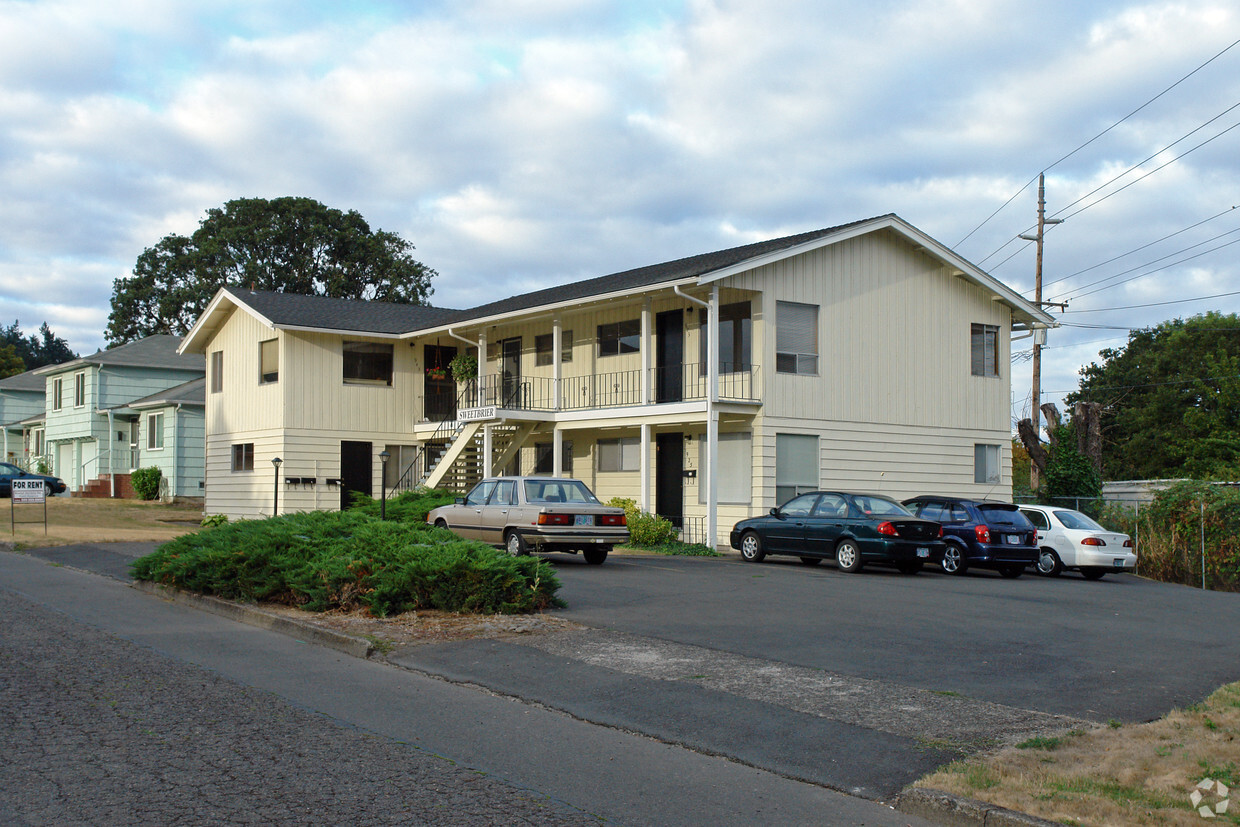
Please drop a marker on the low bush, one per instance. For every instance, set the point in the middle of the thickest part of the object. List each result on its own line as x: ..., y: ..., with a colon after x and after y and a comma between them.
x: 145, y: 482
x: 1171, y: 530
x: 324, y: 560
x: 645, y: 530
x: 410, y: 506
x: 677, y: 548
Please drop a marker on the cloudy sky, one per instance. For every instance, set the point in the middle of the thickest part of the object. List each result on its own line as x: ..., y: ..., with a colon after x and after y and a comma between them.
x: 524, y: 143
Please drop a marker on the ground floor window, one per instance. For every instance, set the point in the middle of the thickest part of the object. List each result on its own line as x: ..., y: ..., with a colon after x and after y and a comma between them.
x: 619, y: 454
x: 735, y: 468
x: 986, y: 464
x: 243, y: 456
x: 796, y: 465
x: 155, y: 432
x: 400, y: 457
x: 544, y: 457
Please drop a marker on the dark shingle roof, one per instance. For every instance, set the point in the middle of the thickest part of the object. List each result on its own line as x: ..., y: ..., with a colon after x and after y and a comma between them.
x: 293, y: 310
x: 27, y: 381
x: 189, y: 393
x: 159, y: 351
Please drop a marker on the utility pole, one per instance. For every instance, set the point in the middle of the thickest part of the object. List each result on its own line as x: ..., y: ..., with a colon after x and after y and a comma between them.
x: 1034, y: 480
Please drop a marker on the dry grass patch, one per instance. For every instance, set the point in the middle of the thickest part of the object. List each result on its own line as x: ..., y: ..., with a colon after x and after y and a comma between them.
x: 1113, y: 775
x: 80, y: 520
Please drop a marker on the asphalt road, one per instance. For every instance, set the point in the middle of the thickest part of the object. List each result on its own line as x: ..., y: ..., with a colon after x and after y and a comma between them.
x: 120, y: 707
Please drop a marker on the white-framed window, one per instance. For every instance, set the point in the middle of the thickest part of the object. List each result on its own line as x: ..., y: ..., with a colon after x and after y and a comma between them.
x: 400, y: 457
x: 243, y: 456
x: 735, y: 477
x: 58, y: 393
x: 986, y: 464
x: 155, y: 432
x: 367, y: 363
x: 619, y: 454
x: 984, y: 350
x: 796, y: 338
x: 796, y: 465
x: 269, y: 361
x: 619, y: 337
x: 217, y: 371
x: 545, y: 343
x: 79, y: 389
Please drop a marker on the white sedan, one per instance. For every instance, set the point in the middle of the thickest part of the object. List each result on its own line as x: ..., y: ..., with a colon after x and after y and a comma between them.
x: 1068, y: 539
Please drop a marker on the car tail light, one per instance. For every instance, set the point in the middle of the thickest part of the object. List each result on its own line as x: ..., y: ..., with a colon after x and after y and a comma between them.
x: 940, y: 532
x: 1093, y: 541
x: 983, y: 533
x: 887, y: 529
x: 613, y: 519
x: 555, y: 519
x: 1128, y: 543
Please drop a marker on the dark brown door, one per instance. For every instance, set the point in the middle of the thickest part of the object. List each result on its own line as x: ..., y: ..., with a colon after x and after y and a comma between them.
x: 669, y: 485
x: 440, y: 401
x: 669, y: 354
x: 510, y: 368
x: 356, y: 473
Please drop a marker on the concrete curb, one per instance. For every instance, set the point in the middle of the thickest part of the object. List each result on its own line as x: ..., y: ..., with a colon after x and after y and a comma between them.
x: 955, y: 811
x: 253, y: 616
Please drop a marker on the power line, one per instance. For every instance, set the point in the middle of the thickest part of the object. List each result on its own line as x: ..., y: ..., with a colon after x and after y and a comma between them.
x: 1181, y: 383
x: 1155, y: 261
x: 1157, y: 269
x: 1156, y: 304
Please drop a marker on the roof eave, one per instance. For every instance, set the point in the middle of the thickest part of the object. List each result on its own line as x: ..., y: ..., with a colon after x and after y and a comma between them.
x: 195, y: 341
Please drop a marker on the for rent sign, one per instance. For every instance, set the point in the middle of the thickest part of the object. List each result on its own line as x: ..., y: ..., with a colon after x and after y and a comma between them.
x: 29, y: 491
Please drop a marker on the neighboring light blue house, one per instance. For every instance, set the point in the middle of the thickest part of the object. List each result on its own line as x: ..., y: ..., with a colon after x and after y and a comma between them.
x: 94, y: 437
x: 22, y: 399
x: 173, y: 426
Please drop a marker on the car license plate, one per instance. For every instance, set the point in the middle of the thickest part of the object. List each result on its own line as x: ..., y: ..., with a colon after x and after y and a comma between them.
x: 1119, y: 562
x: 583, y: 519
x: 1013, y: 539
x: 923, y: 552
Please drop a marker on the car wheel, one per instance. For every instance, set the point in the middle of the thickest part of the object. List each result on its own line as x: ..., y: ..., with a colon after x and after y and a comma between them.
x: 953, y: 560
x: 1048, y: 563
x: 1093, y: 573
x: 811, y: 561
x: 909, y: 567
x: 515, y: 544
x: 1011, y: 572
x: 441, y: 523
x: 848, y: 557
x: 595, y: 556
x: 751, y: 548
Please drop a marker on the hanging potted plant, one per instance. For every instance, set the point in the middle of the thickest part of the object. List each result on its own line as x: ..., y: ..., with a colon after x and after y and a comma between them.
x: 464, y: 366
x: 437, y: 373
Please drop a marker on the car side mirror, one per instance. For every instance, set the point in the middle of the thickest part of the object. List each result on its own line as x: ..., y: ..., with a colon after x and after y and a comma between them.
x: 460, y: 501
x: 775, y: 513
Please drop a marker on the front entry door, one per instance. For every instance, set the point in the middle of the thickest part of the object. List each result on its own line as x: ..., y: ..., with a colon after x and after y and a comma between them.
x: 669, y: 355
x: 356, y: 472
x: 135, y: 458
x: 669, y: 470
x: 510, y: 373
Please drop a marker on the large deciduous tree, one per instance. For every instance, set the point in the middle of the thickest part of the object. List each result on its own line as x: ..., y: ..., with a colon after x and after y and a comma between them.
x: 1170, y: 400
x: 293, y: 245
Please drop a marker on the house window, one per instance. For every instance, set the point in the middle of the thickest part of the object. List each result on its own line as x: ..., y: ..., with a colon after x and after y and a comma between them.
x: 619, y: 454
x: 544, y: 457
x: 269, y: 361
x: 58, y: 389
x: 796, y: 338
x: 155, y: 432
x: 735, y: 468
x: 243, y: 457
x: 986, y: 464
x: 619, y: 337
x: 400, y: 457
x: 734, y: 337
x: 367, y: 363
x: 796, y: 465
x: 544, y: 343
x: 984, y: 349
x: 217, y: 371
x: 79, y: 390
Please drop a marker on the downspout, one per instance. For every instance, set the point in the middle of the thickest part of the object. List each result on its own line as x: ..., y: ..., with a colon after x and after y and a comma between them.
x: 111, y: 471
x: 712, y: 416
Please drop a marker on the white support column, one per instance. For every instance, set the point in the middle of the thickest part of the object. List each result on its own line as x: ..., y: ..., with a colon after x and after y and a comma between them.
x: 482, y: 368
x: 645, y: 504
x: 646, y: 352
x: 557, y: 452
x: 486, y: 450
x: 712, y: 419
x: 556, y: 370
x: 111, y: 459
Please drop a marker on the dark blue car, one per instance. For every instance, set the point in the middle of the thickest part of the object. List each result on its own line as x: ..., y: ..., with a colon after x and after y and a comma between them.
x: 980, y: 533
x: 853, y: 529
x: 8, y: 471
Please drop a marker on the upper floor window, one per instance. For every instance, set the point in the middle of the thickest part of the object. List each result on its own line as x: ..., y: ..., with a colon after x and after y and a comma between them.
x: 79, y: 390
x: 734, y: 337
x: 984, y: 350
x: 619, y: 337
x: 58, y: 393
x: 155, y: 432
x: 217, y: 371
x: 796, y: 338
x: 269, y: 361
x: 367, y: 363
x: 544, y: 344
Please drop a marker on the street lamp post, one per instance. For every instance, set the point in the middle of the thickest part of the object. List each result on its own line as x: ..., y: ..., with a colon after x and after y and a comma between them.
x: 275, y: 461
x: 384, y: 456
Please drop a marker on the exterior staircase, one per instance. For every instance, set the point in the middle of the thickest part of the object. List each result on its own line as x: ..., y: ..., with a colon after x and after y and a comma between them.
x: 459, y: 467
x: 101, y: 488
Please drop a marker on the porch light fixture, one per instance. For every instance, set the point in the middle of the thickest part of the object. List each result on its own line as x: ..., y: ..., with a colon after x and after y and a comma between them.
x: 275, y: 509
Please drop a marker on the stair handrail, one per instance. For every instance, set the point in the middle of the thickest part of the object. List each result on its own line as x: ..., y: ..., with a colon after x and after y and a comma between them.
x: 405, y: 482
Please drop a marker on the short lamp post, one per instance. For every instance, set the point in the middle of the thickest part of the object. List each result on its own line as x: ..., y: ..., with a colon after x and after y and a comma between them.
x: 275, y: 461
x: 384, y: 456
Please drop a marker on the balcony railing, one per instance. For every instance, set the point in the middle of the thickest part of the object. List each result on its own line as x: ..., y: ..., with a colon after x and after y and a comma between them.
x: 682, y: 383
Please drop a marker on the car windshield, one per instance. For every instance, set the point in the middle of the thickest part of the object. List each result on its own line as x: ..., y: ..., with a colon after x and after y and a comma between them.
x: 558, y: 491
x: 1077, y: 520
x: 1004, y: 515
x: 874, y: 506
